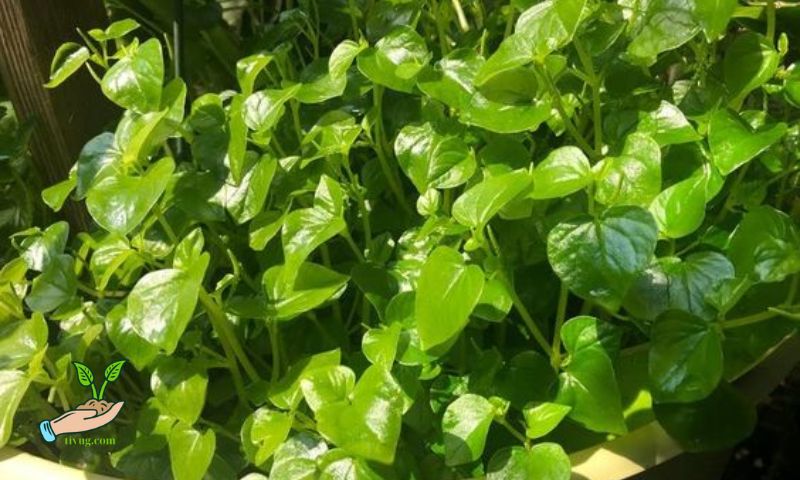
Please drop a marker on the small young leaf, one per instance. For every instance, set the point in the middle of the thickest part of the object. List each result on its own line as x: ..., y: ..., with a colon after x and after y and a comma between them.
x: 68, y: 59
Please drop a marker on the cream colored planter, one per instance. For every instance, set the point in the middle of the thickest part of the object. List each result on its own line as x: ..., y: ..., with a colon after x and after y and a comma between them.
x: 616, y: 459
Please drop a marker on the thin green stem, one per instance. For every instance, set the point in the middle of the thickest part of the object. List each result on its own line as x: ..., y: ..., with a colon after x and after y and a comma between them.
x: 561, y: 314
x: 594, y: 81
x: 440, y: 27
x: 353, y: 246
x: 528, y: 319
x: 233, y: 349
x: 380, y: 142
x: 272, y: 326
x: 748, y: 320
x: 462, y: 19
x: 94, y: 393
x: 513, y: 431
x: 562, y: 111
x: 771, y: 21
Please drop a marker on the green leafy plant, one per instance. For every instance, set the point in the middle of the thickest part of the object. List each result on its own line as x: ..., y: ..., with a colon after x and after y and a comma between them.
x: 86, y: 377
x: 440, y: 239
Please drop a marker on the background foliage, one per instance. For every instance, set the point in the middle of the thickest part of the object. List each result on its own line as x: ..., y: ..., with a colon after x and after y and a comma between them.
x: 415, y: 239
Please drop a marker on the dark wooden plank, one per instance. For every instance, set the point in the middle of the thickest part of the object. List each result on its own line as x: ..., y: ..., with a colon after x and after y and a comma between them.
x: 67, y: 117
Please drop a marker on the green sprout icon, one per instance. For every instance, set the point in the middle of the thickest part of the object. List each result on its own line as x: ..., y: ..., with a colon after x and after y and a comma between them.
x: 86, y: 377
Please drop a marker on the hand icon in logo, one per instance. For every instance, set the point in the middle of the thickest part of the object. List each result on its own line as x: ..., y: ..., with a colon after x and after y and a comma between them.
x: 93, y: 414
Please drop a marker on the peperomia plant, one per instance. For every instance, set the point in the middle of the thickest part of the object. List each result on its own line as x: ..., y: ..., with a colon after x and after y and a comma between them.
x: 421, y: 240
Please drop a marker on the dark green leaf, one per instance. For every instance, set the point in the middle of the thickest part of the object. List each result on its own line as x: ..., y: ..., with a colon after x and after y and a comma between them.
x: 599, y: 257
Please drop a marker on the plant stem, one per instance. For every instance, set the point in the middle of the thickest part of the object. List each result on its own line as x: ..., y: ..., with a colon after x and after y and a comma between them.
x: 555, y: 353
x: 462, y: 19
x: 94, y: 392
x: 272, y: 325
x: 233, y: 349
x: 513, y: 431
x: 440, y: 27
x: 748, y: 320
x: 562, y: 112
x: 380, y: 141
x: 353, y: 246
x: 526, y: 317
x: 594, y: 81
x: 771, y: 21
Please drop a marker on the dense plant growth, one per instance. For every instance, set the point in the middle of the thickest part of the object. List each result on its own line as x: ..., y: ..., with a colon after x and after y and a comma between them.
x: 419, y: 240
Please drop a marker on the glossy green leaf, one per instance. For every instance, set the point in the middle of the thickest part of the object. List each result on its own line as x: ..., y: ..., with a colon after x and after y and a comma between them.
x: 714, y: 15
x: 296, y: 459
x: 634, y: 177
x: 681, y: 284
x: 127, y: 341
x: 599, y: 257
x: 39, y: 249
x: 545, y: 461
x: 13, y: 384
x: 667, y: 125
x: 180, y: 387
x: 190, y: 452
x: 263, y: 109
x: 587, y: 382
x: 306, y: 229
x: 368, y: 424
x: 541, y: 419
x: 476, y: 206
x: 766, y: 245
x: 719, y: 421
x: 246, y: 200
x: 564, y: 171
x: 447, y: 291
x: 749, y: 62
x: 450, y: 80
x: 540, y: 30
x: 396, y: 59
x: 433, y: 160
x: 287, y: 392
x: 679, y: 210
x: 264, y: 431
x: 56, y: 284
x: 54, y: 196
x: 327, y: 78
x: 313, y: 286
x: 20, y: 340
x: 465, y: 426
x: 119, y: 203
x: 667, y: 24
x: 248, y: 69
x: 327, y: 384
x: 134, y: 82
x: 68, y: 59
x: 162, y: 303
x: 116, y: 30
x: 685, y: 362
x: 380, y: 345
x: 502, y: 118
x: 733, y: 142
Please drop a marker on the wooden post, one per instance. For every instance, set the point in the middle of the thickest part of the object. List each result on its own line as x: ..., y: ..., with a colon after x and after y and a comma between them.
x: 67, y: 117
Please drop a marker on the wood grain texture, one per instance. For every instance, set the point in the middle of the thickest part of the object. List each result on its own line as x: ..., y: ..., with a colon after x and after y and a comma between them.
x: 67, y: 117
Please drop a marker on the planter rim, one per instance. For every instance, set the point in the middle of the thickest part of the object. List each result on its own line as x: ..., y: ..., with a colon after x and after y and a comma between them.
x: 616, y: 459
